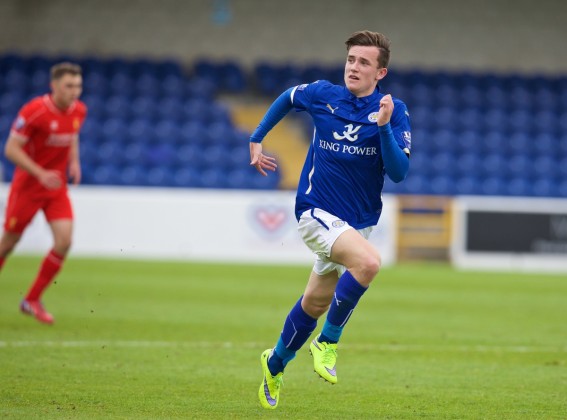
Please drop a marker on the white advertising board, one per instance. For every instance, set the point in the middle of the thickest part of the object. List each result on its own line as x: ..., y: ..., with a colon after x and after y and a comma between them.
x: 189, y: 224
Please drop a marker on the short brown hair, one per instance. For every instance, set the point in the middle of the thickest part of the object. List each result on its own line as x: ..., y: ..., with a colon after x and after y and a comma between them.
x: 61, y: 69
x: 372, y: 39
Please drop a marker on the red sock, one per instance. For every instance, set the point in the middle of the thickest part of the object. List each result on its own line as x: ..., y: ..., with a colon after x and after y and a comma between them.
x: 2, y: 261
x: 49, y: 268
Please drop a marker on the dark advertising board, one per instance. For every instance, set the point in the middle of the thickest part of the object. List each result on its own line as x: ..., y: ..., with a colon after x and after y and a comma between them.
x: 516, y: 232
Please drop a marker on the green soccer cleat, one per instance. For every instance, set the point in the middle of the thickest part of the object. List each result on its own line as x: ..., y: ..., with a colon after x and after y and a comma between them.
x: 269, y: 392
x: 324, y: 360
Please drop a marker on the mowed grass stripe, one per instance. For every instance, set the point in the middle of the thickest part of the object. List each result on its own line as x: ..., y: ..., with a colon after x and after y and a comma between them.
x: 256, y: 345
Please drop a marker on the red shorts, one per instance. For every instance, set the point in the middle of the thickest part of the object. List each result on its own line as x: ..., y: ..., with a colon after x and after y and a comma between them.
x: 23, y: 205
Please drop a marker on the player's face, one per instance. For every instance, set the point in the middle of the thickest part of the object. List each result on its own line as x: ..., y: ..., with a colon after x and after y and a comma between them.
x: 67, y: 89
x: 362, y: 71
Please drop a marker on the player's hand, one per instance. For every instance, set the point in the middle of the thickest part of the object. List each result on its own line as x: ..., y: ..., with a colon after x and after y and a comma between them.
x: 260, y: 161
x: 386, y: 110
x: 51, y: 180
x: 75, y: 172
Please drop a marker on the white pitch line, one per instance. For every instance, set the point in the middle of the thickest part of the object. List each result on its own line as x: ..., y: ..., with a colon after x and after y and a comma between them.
x: 258, y: 345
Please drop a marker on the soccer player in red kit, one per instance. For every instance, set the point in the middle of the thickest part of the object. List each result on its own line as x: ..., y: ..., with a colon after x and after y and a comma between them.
x: 44, y: 145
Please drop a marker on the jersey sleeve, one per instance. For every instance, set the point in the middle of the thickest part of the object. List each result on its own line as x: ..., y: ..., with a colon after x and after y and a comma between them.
x: 303, y: 96
x: 24, y: 124
x: 401, y: 127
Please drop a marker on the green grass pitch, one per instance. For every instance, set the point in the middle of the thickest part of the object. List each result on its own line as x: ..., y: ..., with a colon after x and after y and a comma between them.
x: 165, y: 340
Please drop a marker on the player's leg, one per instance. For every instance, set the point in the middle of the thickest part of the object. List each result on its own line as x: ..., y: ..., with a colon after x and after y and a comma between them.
x: 53, y: 261
x: 59, y: 215
x: 359, y: 263
x: 20, y: 210
x: 8, y: 242
x: 298, y: 327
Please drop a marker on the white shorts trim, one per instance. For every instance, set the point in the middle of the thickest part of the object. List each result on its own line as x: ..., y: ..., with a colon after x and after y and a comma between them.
x: 319, y: 231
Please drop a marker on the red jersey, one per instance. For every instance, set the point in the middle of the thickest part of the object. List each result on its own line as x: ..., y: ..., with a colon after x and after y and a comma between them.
x: 48, y: 133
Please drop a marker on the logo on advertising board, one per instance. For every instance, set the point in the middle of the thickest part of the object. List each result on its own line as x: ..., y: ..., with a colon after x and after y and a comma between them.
x: 270, y: 221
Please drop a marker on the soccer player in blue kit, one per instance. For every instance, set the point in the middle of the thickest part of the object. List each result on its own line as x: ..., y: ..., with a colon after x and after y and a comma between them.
x: 360, y: 136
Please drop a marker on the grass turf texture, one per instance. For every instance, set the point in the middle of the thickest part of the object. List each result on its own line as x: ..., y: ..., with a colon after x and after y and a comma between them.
x: 169, y: 340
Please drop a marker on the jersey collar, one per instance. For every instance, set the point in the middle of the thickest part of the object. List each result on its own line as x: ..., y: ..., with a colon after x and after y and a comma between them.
x: 48, y: 100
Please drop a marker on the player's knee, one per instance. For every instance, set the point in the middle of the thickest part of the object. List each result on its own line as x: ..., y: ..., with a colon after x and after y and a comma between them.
x: 369, y: 268
x: 62, y: 246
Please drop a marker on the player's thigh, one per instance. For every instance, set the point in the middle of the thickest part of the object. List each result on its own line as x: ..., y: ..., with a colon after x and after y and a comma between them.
x: 352, y: 249
x: 20, y: 210
x: 59, y: 214
x: 58, y: 207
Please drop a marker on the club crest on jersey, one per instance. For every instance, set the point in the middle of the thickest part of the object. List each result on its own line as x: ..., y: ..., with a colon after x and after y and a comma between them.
x: 338, y: 223
x: 76, y: 124
x: 349, y: 134
x: 373, y: 117
x: 19, y: 123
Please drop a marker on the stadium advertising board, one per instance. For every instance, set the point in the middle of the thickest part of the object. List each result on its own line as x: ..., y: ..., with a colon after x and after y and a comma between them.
x: 189, y: 224
x: 512, y: 233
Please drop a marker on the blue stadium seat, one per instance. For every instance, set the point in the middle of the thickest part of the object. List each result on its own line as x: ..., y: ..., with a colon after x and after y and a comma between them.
x: 187, y: 177
x: 171, y: 108
x: 110, y: 153
x: 467, y: 185
x: 493, y: 165
x: 232, y: 78
x: 133, y: 175
x: 160, y: 176
x: 468, y: 164
x: 238, y: 156
x: 167, y: 131
x: 416, y: 183
x: 493, y: 185
x: 140, y: 130
x: 189, y: 156
x: 544, y: 187
x: 174, y: 86
x: 106, y: 175
x: 444, y: 163
x: 117, y: 106
x: 519, y: 187
x: 148, y: 85
x: 196, y: 109
x: 495, y: 142
x: 214, y: 178
x: 442, y: 185
x: 546, y: 166
x: 121, y: 84
x: 519, y: 142
x: 194, y: 132
x: 115, y: 130
x: 519, y: 166
x: 161, y: 154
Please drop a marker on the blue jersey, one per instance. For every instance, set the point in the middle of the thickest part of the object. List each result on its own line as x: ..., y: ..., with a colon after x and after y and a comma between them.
x: 344, y: 171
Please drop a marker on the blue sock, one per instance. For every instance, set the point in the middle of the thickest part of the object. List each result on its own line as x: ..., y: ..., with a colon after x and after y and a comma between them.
x: 297, y: 329
x: 347, y: 294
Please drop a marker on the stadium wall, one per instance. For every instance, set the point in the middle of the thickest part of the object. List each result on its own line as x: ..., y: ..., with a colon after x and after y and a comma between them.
x: 484, y: 35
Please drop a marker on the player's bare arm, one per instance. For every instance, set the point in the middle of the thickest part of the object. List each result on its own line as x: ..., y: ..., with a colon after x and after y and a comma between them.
x: 15, y: 153
x: 386, y: 110
x: 75, y: 162
x: 260, y: 161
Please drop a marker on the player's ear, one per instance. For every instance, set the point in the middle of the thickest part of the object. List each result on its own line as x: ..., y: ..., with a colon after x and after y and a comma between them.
x: 381, y: 73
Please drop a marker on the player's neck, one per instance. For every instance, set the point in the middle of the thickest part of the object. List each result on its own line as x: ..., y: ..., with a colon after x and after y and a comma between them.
x: 61, y: 105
